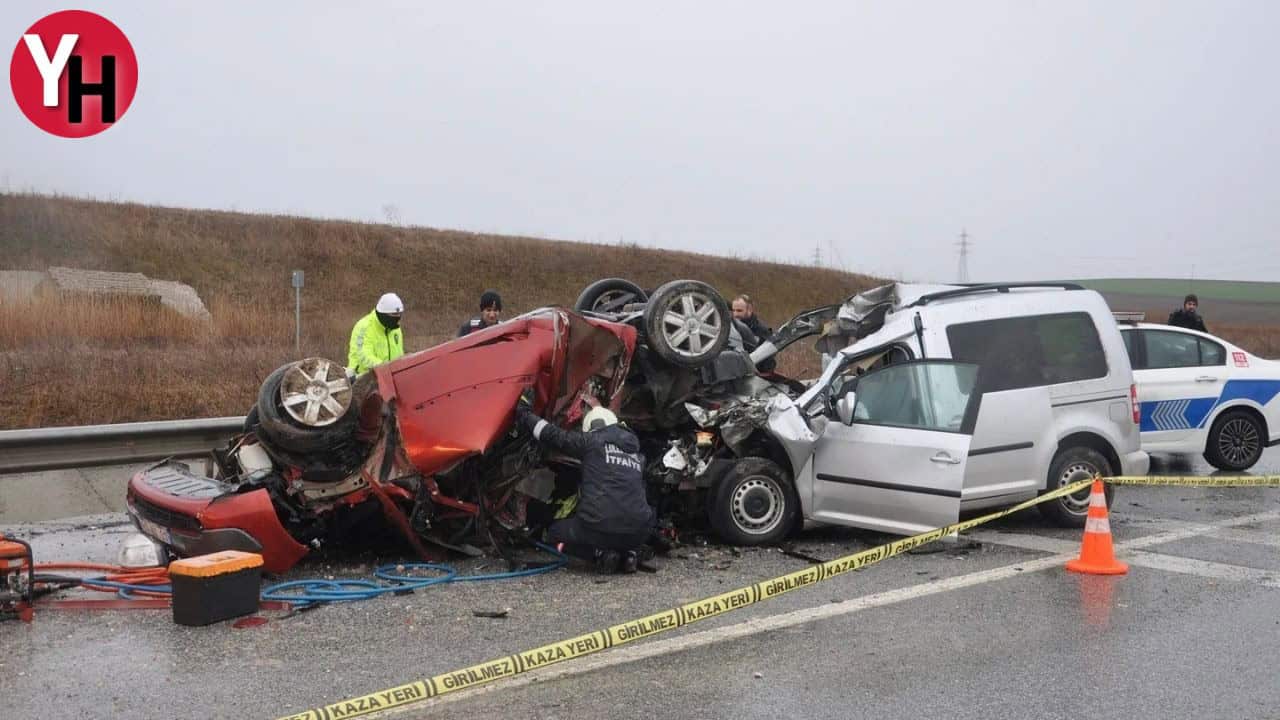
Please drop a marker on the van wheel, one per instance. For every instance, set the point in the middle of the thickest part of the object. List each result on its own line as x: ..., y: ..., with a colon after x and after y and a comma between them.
x: 1071, y: 465
x: 754, y: 503
x: 1235, y: 441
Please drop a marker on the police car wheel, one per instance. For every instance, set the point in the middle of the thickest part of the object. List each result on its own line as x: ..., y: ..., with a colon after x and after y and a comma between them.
x: 1235, y: 441
x: 1072, y: 465
x: 754, y: 503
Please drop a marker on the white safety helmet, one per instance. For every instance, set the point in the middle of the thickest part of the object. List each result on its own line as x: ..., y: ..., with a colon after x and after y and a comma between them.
x: 597, y: 415
x: 390, y: 304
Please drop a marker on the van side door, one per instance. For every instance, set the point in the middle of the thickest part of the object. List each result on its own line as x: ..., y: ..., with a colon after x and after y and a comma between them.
x: 1013, y: 444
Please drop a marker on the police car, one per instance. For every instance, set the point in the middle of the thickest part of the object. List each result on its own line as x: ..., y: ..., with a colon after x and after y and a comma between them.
x: 1201, y: 394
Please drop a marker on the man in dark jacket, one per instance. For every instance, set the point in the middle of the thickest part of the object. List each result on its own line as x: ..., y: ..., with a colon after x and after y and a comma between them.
x: 490, y: 309
x: 613, y: 518
x: 744, y: 311
x: 1187, y: 317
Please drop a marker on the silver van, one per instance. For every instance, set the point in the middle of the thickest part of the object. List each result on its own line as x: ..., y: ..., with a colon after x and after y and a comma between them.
x: 947, y: 399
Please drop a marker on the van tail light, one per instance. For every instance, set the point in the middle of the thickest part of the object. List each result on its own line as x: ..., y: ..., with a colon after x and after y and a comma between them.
x: 1137, y: 409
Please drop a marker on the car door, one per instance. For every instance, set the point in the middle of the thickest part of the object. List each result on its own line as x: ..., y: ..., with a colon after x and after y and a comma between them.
x: 896, y: 461
x: 1013, y: 444
x: 1179, y: 380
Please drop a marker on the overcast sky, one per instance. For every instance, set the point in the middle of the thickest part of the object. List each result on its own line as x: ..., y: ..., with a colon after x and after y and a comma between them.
x: 1070, y: 138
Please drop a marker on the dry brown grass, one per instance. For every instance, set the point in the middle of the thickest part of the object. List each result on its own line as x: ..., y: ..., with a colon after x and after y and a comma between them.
x: 106, y: 322
x: 80, y: 362
x: 1261, y: 340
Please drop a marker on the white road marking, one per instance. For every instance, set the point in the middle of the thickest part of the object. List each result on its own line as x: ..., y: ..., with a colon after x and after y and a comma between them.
x: 1254, y: 537
x: 1202, y: 568
x: 1159, y: 561
x: 1026, y: 542
x: 1064, y: 549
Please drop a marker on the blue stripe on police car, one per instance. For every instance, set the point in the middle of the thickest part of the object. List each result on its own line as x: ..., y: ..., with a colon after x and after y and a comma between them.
x: 1182, y: 414
x: 1187, y: 413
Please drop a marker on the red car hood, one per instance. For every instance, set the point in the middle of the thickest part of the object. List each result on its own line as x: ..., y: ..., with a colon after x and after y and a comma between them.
x: 456, y: 399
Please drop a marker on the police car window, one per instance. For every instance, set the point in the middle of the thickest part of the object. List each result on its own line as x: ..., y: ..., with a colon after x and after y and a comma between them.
x: 1211, y: 353
x: 1171, y: 349
x: 1130, y: 347
x: 1030, y: 351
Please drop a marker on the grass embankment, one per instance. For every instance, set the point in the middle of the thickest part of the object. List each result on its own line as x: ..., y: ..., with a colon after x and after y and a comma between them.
x: 1205, y: 290
x: 66, y: 362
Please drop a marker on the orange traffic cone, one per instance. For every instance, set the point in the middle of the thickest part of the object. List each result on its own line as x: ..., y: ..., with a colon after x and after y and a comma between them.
x: 1096, y: 554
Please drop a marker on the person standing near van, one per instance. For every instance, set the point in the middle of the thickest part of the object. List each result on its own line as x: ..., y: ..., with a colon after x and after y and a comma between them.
x: 490, y: 312
x: 744, y: 311
x: 1187, y: 317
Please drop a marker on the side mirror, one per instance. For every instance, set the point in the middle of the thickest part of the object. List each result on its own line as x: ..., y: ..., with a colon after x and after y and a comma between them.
x: 844, y: 407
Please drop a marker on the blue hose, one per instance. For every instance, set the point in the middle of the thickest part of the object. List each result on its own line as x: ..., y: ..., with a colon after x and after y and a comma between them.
x: 125, y: 589
x: 323, y: 591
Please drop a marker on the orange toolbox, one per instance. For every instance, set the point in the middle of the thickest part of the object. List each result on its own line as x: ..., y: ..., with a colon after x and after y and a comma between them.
x: 17, y: 580
x: 215, y: 587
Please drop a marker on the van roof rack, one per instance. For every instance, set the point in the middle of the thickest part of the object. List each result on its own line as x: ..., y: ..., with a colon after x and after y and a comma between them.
x: 990, y: 287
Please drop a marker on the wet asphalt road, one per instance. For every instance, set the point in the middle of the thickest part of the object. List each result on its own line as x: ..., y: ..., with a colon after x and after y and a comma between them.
x: 987, y: 629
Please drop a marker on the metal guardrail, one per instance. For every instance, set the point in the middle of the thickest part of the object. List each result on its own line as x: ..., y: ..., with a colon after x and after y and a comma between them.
x: 89, y: 445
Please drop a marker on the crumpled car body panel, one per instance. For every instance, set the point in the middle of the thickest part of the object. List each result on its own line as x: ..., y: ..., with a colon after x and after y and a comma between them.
x: 456, y: 400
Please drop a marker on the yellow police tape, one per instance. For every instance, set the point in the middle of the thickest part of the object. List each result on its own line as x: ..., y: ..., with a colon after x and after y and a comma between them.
x: 593, y: 642
x: 1193, y: 481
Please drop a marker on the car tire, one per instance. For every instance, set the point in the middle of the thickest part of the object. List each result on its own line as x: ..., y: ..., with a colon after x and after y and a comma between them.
x: 754, y: 503
x: 687, y: 323
x: 609, y: 296
x: 288, y: 434
x: 1236, y: 440
x: 1068, y: 466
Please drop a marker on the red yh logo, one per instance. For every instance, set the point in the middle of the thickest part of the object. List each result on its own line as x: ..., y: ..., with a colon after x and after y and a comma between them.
x: 73, y: 73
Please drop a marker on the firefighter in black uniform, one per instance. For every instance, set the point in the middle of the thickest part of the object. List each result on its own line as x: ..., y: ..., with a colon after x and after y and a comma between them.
x: 490, y: 309
x: 613, y: 519
x: 1187, y: 317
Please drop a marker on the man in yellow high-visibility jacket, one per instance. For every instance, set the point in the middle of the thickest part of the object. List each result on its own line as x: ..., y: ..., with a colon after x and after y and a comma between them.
x: 377, y: 337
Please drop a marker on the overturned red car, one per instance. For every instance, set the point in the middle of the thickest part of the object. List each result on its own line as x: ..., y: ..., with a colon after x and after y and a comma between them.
x: 422, y: 445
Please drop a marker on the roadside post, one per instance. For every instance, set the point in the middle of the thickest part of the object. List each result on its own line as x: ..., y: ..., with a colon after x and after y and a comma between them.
x: 297, y: 310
